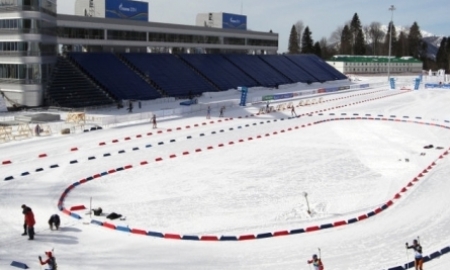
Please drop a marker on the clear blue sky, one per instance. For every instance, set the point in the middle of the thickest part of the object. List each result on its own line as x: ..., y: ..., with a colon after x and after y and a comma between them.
x: 322, y: 17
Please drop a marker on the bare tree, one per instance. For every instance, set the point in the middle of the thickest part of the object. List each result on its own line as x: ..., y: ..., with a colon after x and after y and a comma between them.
x: 368, y: 39
x: 335, y: 37
x: 299, y: 26
x: 377, y: 37
x: 327, y: 50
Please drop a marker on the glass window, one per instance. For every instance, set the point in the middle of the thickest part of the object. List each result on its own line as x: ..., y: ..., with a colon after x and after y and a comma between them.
x: 234, y: 41
x: 126, y: 35
x: 262, y: 42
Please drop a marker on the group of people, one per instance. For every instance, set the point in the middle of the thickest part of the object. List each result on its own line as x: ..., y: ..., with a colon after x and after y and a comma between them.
x: 54, y: 223
x: 29, y: 222
x: 317, y: 263
x: 28, y: 229
x: 208, y: 112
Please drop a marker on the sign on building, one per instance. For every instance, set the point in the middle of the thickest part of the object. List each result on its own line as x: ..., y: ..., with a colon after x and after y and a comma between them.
x: 233, y: 21
x: 222, y: 20
x: 124, y: 9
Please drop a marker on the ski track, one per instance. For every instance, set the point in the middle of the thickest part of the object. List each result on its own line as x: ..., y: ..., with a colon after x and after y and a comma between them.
x: 254, y: 186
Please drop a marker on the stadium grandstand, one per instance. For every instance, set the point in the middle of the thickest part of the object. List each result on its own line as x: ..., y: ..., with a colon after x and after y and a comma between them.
x: 102, y: 56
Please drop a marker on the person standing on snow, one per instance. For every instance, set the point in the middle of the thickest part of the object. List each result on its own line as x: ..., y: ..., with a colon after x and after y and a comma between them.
x: 208, y: 112
x: 418, y: 257
x: 316, y: 262
x: 24, y: 211
x: 154, y: 120
x: 29, y: 222
x: 293, y: 111
x: 51, y: 261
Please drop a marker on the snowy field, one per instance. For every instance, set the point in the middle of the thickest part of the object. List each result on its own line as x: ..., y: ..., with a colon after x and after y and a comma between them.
x: 241, y: 176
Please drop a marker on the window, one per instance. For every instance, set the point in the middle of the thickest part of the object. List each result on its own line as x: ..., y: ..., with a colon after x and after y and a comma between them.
x: 81, y: 33
x: 125, y: 35
x: 234, y: 41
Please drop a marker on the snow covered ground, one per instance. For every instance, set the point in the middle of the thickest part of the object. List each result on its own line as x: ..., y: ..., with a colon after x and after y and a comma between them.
x: 249, y: 178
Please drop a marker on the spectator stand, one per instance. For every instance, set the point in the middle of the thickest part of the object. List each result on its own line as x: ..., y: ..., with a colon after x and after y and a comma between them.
x: 5, y: 133
x: 22, y: 131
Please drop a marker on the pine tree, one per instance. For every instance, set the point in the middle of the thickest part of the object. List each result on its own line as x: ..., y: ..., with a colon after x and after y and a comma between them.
x: 448, y: 54
x: 394, y: 40
x: 402, y: 45
x: 294, y: 47
x: 360, y: 44
x: 317, y: 49
x: 355, y: 28
x: 415, y: 45
x: 346, y: 44
x: 307, y: 41
x: 442, y: 55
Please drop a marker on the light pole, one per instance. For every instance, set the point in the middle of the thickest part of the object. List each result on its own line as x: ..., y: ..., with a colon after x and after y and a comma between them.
x: 392, y: 8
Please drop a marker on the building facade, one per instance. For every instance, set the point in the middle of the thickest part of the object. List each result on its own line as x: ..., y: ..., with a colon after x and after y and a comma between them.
x: 32, y: 35
x: 222, y: 20
x: 28, y: 48
x: 353, y: 64
x: 93, y: 34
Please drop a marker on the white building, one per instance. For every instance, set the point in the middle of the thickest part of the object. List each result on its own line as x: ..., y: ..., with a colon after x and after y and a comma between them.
x: 369, y: 64
x: 32, y: 35
x: 222, y: 20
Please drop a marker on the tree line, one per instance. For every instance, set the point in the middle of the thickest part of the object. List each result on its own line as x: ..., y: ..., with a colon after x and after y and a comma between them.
x: 355, y: 39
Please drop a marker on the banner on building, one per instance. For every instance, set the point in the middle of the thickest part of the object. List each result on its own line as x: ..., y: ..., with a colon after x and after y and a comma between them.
x: 233, y: 21
x: 126, y: 9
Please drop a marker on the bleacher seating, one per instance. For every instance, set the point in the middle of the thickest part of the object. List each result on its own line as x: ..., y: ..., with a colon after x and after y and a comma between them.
x: 289, y: 69
x: 70, y: 88
x: 260, y: 71
x: 114, y: 76
x: 337, y: 75
x: 174, y: 76
x: 220, y: 71
x: 315, y: 66
x: 90, y: 79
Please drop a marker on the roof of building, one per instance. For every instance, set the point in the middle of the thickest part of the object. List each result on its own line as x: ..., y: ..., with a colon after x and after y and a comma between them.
x: 64, y: 19
x: 373, y: 59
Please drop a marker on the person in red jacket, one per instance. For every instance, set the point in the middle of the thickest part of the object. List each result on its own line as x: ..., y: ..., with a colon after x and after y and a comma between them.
x: 316, y: 262
x: 51, y: 261
x: 29, y: 221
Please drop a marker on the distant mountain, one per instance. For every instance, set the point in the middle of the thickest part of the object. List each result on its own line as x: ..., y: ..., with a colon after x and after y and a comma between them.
x: 400, y: 28
x: 432, y: 40
x: 433, y: 44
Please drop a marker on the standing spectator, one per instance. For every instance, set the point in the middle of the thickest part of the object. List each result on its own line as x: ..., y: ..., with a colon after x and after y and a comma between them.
x: 418, y: 257
x: 37, y: 130
x: 222, y: 109
x: 293, y: 111
x: 25, y: 209
x: 154, y: 120
x: 267, y: 106
x: 130, y: 107
x: 54, y: 221
x: 208, y: 113
x: 29, y: 222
